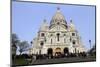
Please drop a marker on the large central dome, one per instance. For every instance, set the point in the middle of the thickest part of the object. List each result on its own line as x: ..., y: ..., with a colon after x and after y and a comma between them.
x: 58, y: 15
x: 58, y: 18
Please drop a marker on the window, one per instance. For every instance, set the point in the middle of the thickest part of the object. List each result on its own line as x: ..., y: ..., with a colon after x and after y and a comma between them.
x: 45, y: 39
x: 58, y: 36
x: 75, y: 50
x: 39, y: 51
x: 51, y: 35
x: 42, y: 34
x: 64, y: 40
x: 64, y: 34
x: 51, y: 41
x: 73, y: 34
x: 58, y: 23
x: 73, y: 42
x: 70, y: 39
x: 55, y: 20
x: 41, y: 43
x: 61, y: 20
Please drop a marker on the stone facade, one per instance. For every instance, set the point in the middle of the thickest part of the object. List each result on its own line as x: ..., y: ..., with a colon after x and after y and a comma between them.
x: 57, y: 37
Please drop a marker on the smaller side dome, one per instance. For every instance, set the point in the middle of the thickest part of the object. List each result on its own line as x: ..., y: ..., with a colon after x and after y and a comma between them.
x: 71, y: 26
x: 44, y: 26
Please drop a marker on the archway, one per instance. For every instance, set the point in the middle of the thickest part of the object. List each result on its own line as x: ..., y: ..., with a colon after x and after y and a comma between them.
x: 50, y: 51
x: 58, y: 49
x: 58, y: 36
x: 66, y: 50
x: 58, y: 52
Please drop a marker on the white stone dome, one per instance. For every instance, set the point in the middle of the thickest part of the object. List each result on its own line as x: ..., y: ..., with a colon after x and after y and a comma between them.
x: 58, y: 15
x: 58, y: 18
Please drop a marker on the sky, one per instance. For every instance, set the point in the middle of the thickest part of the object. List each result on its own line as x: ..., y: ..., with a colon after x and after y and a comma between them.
x: 27, y: 18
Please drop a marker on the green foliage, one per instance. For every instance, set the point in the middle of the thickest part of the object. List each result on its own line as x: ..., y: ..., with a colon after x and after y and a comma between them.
x: 15, y: 39
x: 23, y: 46
x: 21, y: 61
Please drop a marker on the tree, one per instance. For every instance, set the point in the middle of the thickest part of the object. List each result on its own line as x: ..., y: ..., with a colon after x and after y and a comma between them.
x: 14, y: 41
x: 23, y: 46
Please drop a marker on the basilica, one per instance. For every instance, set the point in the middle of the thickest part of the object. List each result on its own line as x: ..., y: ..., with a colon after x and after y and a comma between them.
x: 59, y: 36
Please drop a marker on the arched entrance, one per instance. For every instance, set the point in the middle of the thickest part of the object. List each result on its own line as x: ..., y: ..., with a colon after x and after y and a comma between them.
x: 66, y: 50
x: 58, y: 52
x: 58, y: 49
x: 50, y: 51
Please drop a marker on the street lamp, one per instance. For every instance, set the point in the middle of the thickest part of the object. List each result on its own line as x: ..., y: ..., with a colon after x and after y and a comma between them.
x: 90, y: 43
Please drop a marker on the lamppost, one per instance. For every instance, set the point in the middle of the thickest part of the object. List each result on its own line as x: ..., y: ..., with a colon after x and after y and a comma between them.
x: 90, y: 44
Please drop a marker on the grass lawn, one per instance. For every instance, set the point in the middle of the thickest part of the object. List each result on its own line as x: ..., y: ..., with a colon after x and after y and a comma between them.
x: 20, y: 61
